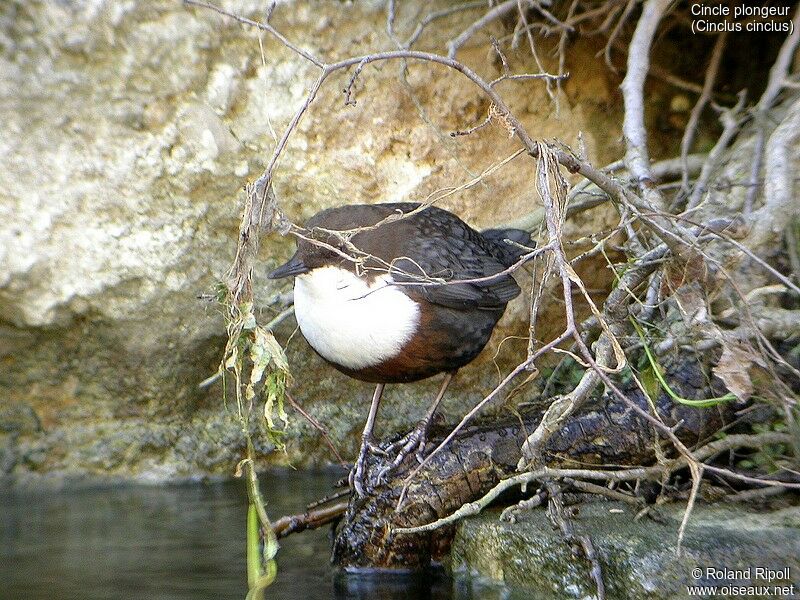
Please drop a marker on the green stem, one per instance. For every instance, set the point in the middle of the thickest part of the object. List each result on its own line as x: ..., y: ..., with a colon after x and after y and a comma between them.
x: 254, y: 572
x: 657, y: 371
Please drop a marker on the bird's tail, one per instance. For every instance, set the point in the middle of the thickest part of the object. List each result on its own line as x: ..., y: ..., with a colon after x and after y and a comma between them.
x: 505, y: 241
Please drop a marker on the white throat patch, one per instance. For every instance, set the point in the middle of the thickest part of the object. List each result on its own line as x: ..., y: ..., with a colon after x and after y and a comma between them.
x: 350, y: 322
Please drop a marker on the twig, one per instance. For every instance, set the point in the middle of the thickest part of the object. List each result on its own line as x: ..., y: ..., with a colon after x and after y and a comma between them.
x: 731, y: 121
x: 500, y: 55
x: 629, y: 6
x: 593, y: 488
x: 609, y: 9
x: 538, y: 7
x: 318, y: 426
x: 439, y: 14
x: 586, y: 195
x: 311, y: 519
x: 330, y: 497
x: 660, y: 72
x: 348, y: 90
x: 697, y: 477
x: 265, y: 26
x: 390, y: 17
x: 755, y: 494
x: 509, y: 513
x: 492, y: 15
x: 473, y: 129
x: 524, y: 19
x: 562, y: 42
x: 705, y: 97
x: 528, y: 76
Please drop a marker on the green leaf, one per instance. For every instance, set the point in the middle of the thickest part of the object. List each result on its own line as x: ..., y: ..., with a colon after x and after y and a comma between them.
x: 650, y: 382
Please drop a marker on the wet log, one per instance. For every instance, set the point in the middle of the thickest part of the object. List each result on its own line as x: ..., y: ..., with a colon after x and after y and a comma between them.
x: 605, y: 432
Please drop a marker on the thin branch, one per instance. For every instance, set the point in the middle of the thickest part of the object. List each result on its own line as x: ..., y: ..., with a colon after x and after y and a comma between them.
x: 560, y: 518
x: 697, y: 478
x: 498, y: 11
x: 633, y: 128
x: 629, y: 6
x: 528, y: 76
x: 439, y: 14
x: 311, y: 519
x: 705, y: 98
x: 318, y: 426
x: 524, y: 19
x: 599, y: 490
x: 264, y: 26
x: 731, y: 122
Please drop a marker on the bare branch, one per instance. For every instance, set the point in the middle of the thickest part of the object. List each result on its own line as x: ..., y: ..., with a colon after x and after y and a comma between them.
x: 311, y: 519
x: 705, y: 98
x: 629, y: 6
x: 731, y: 121
x: 439, y: 14
x: 498, y: 11
x: 265, y: 26
x: 636, y: 155
x: 318, y: 426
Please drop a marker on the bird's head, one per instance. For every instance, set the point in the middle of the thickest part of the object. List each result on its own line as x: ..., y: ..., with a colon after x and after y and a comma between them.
x: 314, y: 250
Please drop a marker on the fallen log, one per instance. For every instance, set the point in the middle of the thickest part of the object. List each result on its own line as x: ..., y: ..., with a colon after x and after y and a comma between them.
x: 605, y: 432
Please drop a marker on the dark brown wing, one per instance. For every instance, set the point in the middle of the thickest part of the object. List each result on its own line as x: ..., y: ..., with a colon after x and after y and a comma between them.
x: 436, y: 244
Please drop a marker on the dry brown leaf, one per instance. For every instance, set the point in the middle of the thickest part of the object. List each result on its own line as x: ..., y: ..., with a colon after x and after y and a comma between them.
x: 733, y: 369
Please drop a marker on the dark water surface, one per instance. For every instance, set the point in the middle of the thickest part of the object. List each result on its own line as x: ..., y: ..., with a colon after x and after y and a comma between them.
x: 177, y: 542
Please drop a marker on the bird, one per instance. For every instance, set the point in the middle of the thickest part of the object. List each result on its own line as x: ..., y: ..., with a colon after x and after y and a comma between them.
x: 399, y: 292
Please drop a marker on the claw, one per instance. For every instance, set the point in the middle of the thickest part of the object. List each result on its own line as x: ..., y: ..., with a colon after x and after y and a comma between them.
x: 376, y: 449
x: 414, y: 440
x: 357, y: 477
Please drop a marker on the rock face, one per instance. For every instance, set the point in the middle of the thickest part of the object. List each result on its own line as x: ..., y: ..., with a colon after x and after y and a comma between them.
x: 727, y: 544
x: 129, y: 131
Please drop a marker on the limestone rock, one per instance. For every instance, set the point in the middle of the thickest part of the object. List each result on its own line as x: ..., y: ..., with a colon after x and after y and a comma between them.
x: 724, y: 545
x: 130, y: 129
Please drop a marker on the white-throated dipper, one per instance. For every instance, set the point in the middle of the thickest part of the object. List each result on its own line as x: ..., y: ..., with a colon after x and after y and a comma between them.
x: 402, y: 295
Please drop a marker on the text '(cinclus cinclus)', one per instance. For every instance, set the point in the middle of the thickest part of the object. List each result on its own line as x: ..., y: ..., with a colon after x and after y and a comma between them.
x: 394, y: 293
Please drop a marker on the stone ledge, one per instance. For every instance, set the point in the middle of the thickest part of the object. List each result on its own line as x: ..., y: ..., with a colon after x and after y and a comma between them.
x: 638, y: 557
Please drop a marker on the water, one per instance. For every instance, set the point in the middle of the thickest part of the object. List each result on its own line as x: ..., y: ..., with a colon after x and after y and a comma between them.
x: 160, y: 543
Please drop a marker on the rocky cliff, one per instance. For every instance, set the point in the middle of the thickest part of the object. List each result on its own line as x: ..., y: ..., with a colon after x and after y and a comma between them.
x: 130, y: 129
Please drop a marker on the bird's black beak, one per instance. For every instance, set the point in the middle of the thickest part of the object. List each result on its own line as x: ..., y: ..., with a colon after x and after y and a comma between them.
x: 295, y: 266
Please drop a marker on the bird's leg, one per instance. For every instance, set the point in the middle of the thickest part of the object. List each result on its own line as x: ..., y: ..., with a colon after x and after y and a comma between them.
x: 417, y: 437
x: 358, y: 473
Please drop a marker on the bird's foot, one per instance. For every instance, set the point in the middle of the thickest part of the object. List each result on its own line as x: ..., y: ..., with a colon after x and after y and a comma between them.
x: 413, y: 441
x: 358, y: 474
